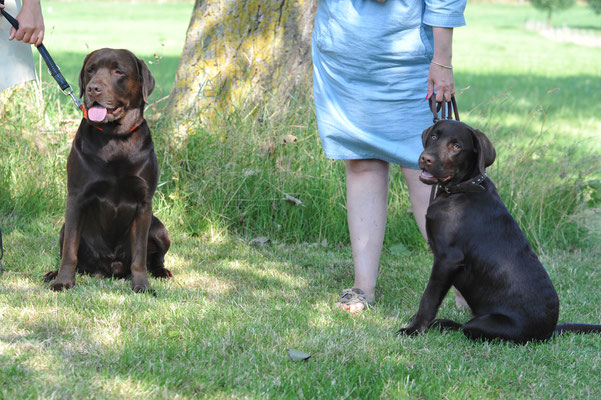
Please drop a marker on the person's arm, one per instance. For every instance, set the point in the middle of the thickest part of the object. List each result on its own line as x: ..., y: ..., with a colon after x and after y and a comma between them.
x: 442, y: 16
x: 441, y: 67
x: 31, y: 23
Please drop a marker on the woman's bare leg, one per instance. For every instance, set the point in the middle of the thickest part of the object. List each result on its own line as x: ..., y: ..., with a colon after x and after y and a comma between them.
x: 367, y: 204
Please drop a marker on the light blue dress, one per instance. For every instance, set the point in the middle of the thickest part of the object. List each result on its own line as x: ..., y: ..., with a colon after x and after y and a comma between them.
x: 16, y: 59
x: 370, y: 70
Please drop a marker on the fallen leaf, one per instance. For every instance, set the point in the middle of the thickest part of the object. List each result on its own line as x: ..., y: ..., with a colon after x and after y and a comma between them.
x: 293, y: 200
x: 296, y: 355
x: 260, y: 241
x: 398, y: 248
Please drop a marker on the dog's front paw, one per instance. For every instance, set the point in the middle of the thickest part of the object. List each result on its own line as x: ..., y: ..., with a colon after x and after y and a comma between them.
x: 62, y: 284
x: 141, y: 285
x: 162, y: 273
x: 411, y: 330
x: 144, y: 289
x: 50, y: 276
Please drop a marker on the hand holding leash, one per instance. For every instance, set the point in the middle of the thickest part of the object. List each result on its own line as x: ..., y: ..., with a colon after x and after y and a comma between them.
x: 450, y: 106
x: 52, y: 67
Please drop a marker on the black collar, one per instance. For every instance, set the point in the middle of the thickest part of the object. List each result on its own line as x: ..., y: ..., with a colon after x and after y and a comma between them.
x: 473, y: 185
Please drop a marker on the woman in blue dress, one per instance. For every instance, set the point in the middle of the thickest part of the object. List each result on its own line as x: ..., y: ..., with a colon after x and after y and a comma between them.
x: 375, y: 64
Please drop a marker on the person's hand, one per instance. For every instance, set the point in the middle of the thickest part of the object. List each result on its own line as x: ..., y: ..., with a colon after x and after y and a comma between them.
x: 31, y: 24
x: 441, y: 79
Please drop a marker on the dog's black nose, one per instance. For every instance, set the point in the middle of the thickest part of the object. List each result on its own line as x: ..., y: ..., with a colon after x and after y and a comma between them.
x: 426, y: 159
x: 94, y: 88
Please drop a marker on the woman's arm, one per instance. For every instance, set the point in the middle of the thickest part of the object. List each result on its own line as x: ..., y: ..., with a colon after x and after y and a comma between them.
x: 440, y: 76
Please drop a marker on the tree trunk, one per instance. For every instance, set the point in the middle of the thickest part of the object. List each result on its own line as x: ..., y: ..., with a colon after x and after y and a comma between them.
x: 239, y: 51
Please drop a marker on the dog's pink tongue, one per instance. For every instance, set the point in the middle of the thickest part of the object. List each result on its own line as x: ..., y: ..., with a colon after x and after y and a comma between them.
x: 426, y: 174
x: 97, y: 113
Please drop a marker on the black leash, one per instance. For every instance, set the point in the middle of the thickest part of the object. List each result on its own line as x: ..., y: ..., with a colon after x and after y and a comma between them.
x: 53, y: 69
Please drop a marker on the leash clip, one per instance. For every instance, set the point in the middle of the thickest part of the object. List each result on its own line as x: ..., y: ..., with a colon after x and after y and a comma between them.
x: 69, y: 92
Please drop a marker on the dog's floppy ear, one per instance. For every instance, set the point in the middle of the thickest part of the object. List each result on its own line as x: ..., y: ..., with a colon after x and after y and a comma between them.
x: 486, y: 151
x: 425, y: 135
x: 82, y: 74
x: 147, y: 79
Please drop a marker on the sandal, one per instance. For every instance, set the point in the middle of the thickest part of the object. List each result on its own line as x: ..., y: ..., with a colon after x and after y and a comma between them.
x: 353, y: 296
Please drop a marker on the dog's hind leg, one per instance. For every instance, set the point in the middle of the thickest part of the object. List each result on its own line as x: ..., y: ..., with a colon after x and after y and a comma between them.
x: 495, y: 326
x: 445, y: 324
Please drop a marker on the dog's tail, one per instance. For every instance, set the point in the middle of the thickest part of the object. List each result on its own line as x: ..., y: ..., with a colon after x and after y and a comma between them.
x: 560, y: 329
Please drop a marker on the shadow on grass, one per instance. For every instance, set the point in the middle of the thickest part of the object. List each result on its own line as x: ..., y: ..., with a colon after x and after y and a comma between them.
x: 223, y: 324
x: 226, y: 319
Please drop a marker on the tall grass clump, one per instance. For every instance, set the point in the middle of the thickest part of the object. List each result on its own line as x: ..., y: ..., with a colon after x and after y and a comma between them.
x: 261, y: 171
x: 35, y: 132
x: 542, y: 184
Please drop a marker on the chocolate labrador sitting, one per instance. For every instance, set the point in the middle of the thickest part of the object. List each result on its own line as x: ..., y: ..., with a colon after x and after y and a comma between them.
x: 479, y: 248
x: 112, y: 174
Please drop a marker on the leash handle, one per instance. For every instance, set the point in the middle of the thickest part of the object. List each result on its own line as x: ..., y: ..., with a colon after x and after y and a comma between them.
x: 446, y: 106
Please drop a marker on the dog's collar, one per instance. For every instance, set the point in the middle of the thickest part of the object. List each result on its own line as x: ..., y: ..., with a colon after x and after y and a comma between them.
x: 85, y: 115
x: 471, y: 186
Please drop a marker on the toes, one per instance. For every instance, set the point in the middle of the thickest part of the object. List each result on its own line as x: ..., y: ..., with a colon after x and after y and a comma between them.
x: 144, y: 289
x: 49, y: 276
x: 162, y: 273
x: 60, y: 286
x: 406, y: 332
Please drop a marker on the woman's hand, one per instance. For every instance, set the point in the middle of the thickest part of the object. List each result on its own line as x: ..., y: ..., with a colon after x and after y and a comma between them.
x: 31, y: 24
x: 442, y: 79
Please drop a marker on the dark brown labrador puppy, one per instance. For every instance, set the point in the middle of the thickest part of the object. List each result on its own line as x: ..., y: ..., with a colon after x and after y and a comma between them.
x: 112, y: 175
x: 479, y: 248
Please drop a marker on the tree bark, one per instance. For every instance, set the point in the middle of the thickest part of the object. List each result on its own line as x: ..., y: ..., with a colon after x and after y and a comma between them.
x: 237, y: 52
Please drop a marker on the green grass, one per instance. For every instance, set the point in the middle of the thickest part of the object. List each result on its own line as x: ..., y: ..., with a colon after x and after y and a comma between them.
x: 221, y: 327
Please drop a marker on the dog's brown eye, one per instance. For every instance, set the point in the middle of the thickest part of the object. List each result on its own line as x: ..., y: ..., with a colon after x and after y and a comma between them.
x: 118, y: 72
x: 455, y: 146
x: 433, y: 137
